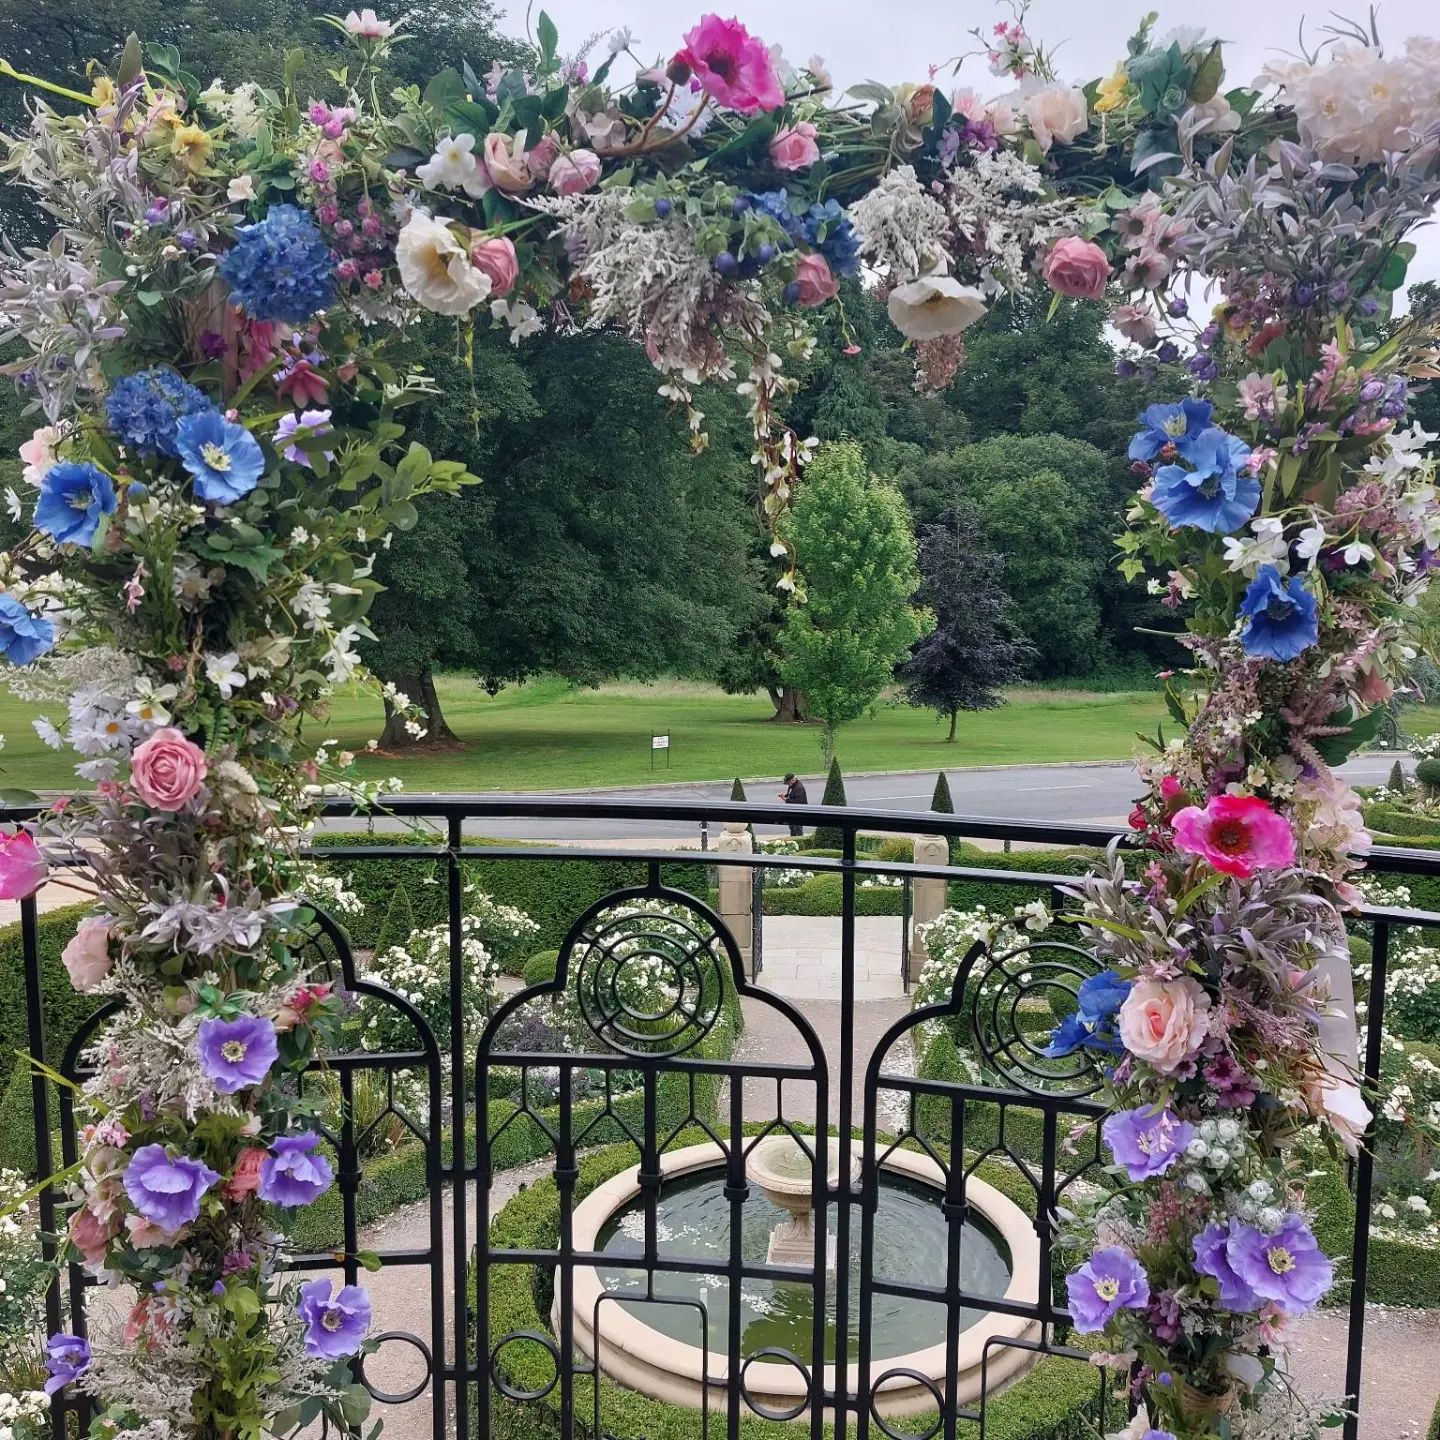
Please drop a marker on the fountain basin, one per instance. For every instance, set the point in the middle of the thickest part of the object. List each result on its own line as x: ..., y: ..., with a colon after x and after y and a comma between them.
x: 640, y: 1354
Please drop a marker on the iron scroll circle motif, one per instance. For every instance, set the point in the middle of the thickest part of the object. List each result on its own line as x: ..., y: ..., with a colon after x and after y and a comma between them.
x: 649, y: 971
x: 991, y: 992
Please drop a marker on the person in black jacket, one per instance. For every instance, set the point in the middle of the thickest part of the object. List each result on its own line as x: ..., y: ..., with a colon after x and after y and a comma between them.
x: 794, y: 794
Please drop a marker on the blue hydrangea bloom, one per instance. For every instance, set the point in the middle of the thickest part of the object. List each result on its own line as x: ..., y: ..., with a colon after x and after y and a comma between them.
x: 1213, y: 495
x: 225, y: 459
x: 1281, y: 619
x: 280, y: 268
x: 1164, y: 425
x: 143, y: 409
x: 776, y: 205
x: 24, y: 637
x: 827, y: 228
x: 73, y: 497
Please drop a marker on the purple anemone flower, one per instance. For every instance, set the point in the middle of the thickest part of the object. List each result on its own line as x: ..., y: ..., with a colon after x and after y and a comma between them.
x: 293, y: 1175
x: 67, y: 1358
x: 1111, y: 1280
x: 165, y: 1191
x: 1212, y: 1258
x: 237, y: 1053
x: 1147, y: 1142
x: 1288, y: 1267
x: 334, y: 1327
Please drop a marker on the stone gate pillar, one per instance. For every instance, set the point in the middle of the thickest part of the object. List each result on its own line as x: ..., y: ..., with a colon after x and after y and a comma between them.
x: 734, y: 883
x: 927, y: 899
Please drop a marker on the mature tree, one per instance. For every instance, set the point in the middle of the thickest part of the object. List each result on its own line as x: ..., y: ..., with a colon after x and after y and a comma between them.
x: 856, y: 553
x: 974, y: 648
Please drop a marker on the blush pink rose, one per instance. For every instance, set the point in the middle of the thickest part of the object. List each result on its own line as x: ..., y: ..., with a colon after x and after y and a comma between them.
x: 1163, y: 1022
x: 87, y: 956
x: 1135, y: 322
x: 22, y: 866
x: 815, y: 282
x: 794, y: 148
x: 506, y: 163
x: 245, y: 1179
x: 541, y: 156
x: 575, y: 171
x: 1077, y: 267
x: 92, y: 1237
x: 167, y: 770
x: 495, y: 256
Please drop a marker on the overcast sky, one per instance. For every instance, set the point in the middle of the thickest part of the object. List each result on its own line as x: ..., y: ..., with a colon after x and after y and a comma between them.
x: 897, y: 40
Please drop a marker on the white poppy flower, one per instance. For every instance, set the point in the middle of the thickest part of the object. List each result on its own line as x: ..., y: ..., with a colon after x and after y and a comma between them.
x: 435, y: 267
x: 934, y: 306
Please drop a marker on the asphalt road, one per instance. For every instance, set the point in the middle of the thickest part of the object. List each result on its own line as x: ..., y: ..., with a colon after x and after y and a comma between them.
x: 1095, y: 793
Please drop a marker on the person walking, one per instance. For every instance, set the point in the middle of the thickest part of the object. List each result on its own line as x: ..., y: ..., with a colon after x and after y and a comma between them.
x: 794, y: 794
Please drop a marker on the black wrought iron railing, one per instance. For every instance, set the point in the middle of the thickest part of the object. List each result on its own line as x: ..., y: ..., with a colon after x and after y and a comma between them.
x: 638, y: 1084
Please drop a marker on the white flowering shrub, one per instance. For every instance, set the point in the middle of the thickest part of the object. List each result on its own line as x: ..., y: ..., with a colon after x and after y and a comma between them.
x: 507, y: 932
x: 24, y: 1405
x: 1407, y: 1141
x: 949, y: 938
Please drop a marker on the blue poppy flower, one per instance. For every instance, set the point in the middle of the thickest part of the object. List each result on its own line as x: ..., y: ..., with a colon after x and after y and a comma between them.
x: 1169, y: 425
x: 73, y: 496
x: 24, y: 637
x: 225, y: 458
x: 1213, y: 495
x: 1281, y: 619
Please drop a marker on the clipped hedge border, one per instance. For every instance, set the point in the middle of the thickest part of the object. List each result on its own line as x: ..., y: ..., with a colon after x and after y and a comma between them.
x: 399, y: 1178
x: 1055, y: 1401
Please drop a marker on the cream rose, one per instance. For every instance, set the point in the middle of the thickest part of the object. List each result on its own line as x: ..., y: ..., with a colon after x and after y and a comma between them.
x: 1056, y: 115
x: 1163, y: 1022
x: 435, y: 267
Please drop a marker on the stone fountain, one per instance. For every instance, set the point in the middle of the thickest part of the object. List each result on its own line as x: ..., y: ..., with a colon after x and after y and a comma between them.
x: 783, y: 1167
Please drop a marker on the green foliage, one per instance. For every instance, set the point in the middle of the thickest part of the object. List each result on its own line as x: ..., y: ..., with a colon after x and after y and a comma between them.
x: 17, y: 1123
x: 1393, y: 820
x: 1397, y: 783
x: 857, y: 563
x: 1433, y: 1433
x: 828, y: 837
x: 540, y: 967
x: 940, y: 801
x: 399, y: 922
x: 1427, y: 775
x: 737, y: 791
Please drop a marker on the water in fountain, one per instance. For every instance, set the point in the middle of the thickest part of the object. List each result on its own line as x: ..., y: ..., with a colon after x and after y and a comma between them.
x: 693, y: 1218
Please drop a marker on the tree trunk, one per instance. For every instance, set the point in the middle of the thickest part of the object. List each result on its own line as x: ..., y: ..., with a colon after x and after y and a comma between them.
x: 420, y: 688
x: 950, y: 738
x: 789, y: 704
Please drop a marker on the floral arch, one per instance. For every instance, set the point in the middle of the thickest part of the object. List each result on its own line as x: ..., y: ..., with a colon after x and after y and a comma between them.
x: 222, y: 449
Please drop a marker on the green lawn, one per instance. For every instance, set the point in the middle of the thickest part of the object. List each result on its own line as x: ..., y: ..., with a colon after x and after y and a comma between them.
x: 545, y: 736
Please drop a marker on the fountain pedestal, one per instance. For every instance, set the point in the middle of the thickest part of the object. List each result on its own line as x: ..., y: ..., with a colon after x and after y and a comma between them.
x: 784, y: 1169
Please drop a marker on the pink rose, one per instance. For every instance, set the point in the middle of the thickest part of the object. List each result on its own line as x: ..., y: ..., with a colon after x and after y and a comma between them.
x: 494, y: 255
x: 92, y: 1237
x: 542, y: 156
x: 506, y: 163
x: 245, y: 1179
x: 574, y: 171
x: 145, y: 1234
x: 87, y: 956
x: 1163, y: 1022
x: 1077, y: 267
x: 22, y: 866
x: 167, y: 770
x: 1056, y: 115
x: 794, y: 148
x: 814, y: 281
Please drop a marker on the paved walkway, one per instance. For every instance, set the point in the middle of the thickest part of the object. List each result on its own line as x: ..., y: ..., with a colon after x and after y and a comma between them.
x: 802, y: 957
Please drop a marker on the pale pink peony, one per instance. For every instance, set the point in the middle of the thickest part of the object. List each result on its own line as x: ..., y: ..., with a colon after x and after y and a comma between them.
x: 145, y: 1234
x: 506, y: 164
x: 815, y: 281
x: 87, y: 956
x: 1056, y: 115
x: 245, y: 1178
x: 731, y: 65
x: 574, y: 172
x: 1076, y: 267
x: 1163, y: 1022
x: 494, y: 255
x: 22, y: 866
x: 167, y: 770
x: 794, y: 147
x: 1237, y: 834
